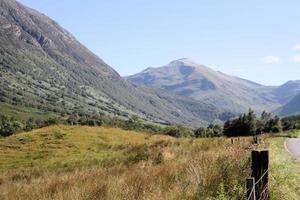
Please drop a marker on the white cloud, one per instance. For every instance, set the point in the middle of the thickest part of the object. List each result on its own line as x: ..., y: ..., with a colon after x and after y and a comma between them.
x: 296, y: 58
x: 297, y: 47
x: 272, y: 60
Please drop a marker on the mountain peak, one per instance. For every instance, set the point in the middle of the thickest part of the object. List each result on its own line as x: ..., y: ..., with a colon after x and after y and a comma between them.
x: 183, y: 61
x: 187, y: 78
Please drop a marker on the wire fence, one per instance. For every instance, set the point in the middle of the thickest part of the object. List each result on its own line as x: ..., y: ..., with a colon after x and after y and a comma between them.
x: 264, y: 193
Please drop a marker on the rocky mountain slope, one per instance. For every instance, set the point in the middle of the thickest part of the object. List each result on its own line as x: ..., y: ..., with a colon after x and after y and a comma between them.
x: 43, y: 66
x: 286, y: 92
x: 185, y: 77
x: 291, y: 108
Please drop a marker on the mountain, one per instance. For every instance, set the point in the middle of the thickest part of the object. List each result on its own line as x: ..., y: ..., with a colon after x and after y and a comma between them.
x: 286, y: 92
x: 43, y: 66
x: 292, y: 107
x: 185, y: 77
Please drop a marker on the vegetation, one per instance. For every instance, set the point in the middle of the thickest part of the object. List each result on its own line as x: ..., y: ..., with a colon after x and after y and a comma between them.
x: 81, y: 162
x: 284, y: 169
x: 178, y: 131
x: 21, y: 113
x: 210, y: 131
x: 249, y: 124
x: 245, y: 125
x: 291, y: 122
x: 10, y: 125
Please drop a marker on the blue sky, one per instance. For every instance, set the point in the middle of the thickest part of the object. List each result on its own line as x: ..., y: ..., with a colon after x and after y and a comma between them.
x: 254, y: 39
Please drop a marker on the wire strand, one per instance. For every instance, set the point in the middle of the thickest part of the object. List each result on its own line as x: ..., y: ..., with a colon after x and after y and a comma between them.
x: 251, y: 193
x: 253, y: 188
x: 264, y: 194
x: 261, y: 177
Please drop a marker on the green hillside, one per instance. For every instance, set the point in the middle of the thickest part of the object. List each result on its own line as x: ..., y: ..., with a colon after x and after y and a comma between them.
x: 23, y: 113
x: 44, y: 67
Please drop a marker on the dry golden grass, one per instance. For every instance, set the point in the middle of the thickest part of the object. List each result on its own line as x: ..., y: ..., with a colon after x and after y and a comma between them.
x: 84, y: 163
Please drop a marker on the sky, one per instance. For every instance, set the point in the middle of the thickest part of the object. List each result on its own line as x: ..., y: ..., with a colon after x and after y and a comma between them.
x: 253, y: 39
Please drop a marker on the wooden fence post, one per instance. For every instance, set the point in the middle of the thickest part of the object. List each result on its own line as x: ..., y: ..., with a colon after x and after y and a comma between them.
x: 251, y: 188
x: 260, y: 167
x: 255, y: 140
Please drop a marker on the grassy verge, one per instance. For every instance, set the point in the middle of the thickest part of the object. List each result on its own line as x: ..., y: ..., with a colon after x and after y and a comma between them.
x: 75, y: 162
x: 285, y: 170
x: 22, y: 113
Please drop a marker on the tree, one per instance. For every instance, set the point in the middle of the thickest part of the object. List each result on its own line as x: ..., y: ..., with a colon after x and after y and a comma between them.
x: 200, y: 132
x: 245, y: 125
x: 9, y: 126
x: 178, y: 131
x: 134, y: 123
x: 291, y: 122
x: 275, y: 125
x: 251, y: 122
x: 30, y: 124
x: 264, y: 120
x: 218, y: 130
x: 72, y: 119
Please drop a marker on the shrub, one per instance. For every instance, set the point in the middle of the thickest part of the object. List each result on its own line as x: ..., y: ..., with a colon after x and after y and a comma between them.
x: 9, y: 126
x: 178, y: 131
x: 200, y: 132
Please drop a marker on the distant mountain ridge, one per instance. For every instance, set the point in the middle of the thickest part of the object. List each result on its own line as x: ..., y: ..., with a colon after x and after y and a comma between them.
x: 43, y: 66
x: 286, y: 92
x: 185, y: 77
x: 291, y: 108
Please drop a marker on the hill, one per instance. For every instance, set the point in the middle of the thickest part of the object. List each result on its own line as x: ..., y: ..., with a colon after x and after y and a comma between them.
x: 187, y: 78
x: 44, y: 67
x: 69, y: 147
x: 286, y: 92
x: 292, y: 107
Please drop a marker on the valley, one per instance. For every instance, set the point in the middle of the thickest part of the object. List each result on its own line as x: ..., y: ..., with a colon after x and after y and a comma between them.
x: 72, y: 127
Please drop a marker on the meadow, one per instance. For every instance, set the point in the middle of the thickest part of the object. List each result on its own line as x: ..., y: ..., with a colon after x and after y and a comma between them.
x: 284, y: 169
x: 79, y: 162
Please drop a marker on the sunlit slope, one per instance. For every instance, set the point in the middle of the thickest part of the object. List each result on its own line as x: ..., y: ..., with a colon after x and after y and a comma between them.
x: 73, y: 146
x: 44, y: 67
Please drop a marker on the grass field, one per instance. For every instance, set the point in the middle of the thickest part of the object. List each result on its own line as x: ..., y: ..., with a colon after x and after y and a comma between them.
x: 73, y: 162
x: 284, y: 170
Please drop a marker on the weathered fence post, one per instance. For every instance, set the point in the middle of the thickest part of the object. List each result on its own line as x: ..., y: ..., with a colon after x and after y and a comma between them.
x: 260, y: 167
x: 251, y: 189
x: 255, y: 140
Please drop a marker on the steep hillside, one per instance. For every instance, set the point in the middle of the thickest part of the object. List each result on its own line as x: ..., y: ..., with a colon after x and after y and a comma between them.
x: 44, y: 67
x: 286, y: 92
x: 291, y: 108
x: 187, y: 78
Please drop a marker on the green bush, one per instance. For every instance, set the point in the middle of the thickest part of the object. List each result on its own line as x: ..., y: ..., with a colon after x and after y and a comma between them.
x: 179, y: 131
x: 9, y: 126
